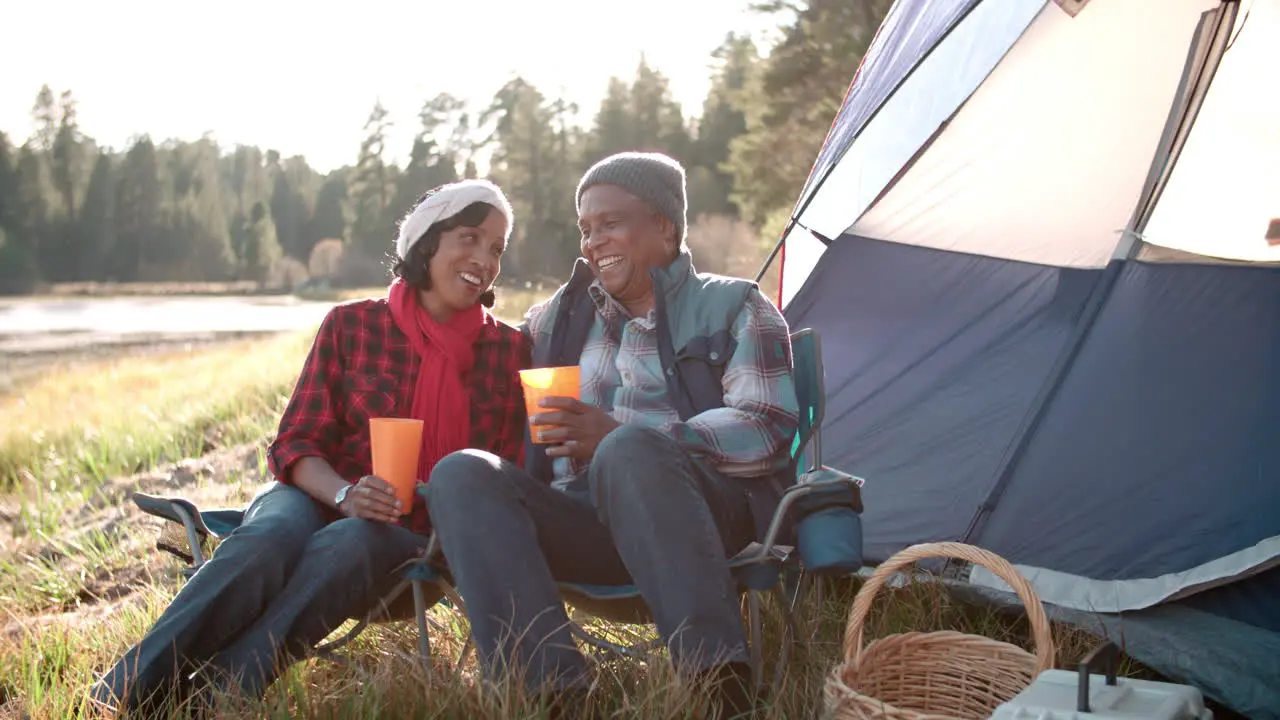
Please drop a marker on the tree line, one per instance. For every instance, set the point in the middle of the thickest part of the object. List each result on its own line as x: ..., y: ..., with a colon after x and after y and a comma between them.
x: 192, y: 211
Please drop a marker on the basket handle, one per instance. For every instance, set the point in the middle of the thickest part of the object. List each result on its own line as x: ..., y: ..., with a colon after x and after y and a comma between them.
x: 958, y: 551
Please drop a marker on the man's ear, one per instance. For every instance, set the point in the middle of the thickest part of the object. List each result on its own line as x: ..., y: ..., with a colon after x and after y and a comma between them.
x: 669, y: 234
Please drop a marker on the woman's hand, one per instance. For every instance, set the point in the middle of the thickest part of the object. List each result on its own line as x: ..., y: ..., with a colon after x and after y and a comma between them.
x: 372, y: 498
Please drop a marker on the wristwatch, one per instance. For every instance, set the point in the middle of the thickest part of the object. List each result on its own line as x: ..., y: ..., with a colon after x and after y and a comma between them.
x: 342, y: 495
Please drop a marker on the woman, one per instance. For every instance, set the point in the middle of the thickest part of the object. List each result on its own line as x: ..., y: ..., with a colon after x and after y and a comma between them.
x: 319, y: 545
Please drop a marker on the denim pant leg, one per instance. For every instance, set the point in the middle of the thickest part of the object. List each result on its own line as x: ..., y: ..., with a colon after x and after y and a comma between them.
x: 229, y: 591
x: 674, y: 522
x: 345, y: 570
x: 505, y: 537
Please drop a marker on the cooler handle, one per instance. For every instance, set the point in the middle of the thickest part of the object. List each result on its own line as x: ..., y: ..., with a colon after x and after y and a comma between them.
x: 1105, y: 657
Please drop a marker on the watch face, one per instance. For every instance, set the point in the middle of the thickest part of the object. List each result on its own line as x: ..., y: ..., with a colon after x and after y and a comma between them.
x: 342, y: 495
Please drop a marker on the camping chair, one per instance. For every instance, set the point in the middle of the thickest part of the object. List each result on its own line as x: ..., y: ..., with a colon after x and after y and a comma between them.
x: 820, y: 511
x: 203, y: 526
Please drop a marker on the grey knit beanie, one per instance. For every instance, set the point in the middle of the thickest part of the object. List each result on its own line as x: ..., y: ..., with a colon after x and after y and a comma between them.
x: 653, y: 177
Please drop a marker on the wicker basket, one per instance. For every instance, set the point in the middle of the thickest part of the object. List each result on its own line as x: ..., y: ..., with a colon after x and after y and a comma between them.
x: 936, y: 675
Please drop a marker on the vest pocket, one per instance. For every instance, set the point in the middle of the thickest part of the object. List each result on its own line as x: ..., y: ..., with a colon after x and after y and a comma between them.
x: 714, y: 350
x: 701, y: 365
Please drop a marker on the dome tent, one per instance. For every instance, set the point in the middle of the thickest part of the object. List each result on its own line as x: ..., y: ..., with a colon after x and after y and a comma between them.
x: 1035, y: 244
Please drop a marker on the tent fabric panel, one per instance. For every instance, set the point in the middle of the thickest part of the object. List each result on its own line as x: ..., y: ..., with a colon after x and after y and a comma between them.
x: 925, y: 100
x: 1224, y: 190
x: 932, y: 361
x: 1254, y: 600
x: 1171, y: 407
x: 1148, y: 252
x: 1234, y: 663
x: 801, y: 253
x: 1048, y: 160
x: 1203, y: 55
x: 908, y: 32
x: 1120, y: 595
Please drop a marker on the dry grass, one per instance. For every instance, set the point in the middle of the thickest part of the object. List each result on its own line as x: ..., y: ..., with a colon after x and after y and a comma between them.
x: 80, y: 580
x: 512, y: 302
x: 48, y: 671
x: 337, y: 295
x: 88, y: 421
x: 78, y: 425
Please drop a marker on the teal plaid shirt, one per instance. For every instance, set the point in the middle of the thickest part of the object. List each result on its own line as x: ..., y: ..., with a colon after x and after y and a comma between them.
x: 621, y: 372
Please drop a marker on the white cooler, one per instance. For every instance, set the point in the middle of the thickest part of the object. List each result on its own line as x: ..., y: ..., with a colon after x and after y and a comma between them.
x: 1081, y: 695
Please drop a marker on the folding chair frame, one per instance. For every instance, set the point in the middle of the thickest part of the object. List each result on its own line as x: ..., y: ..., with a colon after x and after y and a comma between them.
x: 759, y: 568
x: 218, y: 524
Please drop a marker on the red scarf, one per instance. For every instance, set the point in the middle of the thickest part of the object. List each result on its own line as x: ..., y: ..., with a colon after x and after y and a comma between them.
x: 441, y: 399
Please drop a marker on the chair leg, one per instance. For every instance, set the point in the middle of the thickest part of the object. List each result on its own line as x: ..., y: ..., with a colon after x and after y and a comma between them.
x: 808, y: 591
x: 757, y: 639
x: 460, y: 611
x: 788, y: 637
x: 420, y: 613
x: 819, y: 597
x: 327, y: 650
x: 639, y: 651
x: 193, y: 535
x: 467, y: 647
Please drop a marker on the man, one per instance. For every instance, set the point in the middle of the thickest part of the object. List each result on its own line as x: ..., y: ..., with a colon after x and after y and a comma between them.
x: 667, y: 466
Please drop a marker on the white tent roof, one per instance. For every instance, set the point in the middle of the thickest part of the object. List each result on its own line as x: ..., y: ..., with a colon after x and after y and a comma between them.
x: 1032, y: 134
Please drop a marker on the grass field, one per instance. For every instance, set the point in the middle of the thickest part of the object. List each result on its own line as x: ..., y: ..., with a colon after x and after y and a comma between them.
x: 510, y: 306
x: 80, y: 579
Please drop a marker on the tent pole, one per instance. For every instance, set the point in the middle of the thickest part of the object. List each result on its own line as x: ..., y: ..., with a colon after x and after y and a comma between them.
x: 1093, y: 307
x: 776, y: 247
x: 1181, y: 115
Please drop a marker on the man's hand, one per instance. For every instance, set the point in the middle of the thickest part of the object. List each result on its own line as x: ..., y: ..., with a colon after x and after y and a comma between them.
x: 372, y: 499
x: 580, y: 428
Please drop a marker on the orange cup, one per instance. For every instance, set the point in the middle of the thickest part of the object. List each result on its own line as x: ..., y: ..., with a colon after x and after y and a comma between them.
x: 396, y: 443
x: 547, y: 382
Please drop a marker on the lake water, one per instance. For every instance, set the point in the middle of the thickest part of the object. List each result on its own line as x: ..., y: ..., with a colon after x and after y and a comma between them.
x: 48, y: 324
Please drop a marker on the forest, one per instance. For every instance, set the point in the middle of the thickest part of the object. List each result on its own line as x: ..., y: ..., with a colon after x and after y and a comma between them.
x: 191, y: 211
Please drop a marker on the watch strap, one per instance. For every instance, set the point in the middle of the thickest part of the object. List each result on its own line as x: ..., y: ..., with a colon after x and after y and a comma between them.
x: 342, y: 495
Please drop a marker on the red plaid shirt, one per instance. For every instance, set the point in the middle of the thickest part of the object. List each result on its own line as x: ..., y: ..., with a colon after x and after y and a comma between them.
x: 362, y: 366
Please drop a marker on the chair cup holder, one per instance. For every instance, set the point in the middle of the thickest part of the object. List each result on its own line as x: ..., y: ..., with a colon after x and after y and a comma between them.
x: 829, y: 541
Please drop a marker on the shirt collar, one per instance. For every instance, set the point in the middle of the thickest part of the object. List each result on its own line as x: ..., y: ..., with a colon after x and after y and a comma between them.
x: 671, y: 278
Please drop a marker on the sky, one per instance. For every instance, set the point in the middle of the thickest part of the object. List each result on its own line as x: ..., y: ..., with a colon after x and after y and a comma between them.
x: 302, y: 80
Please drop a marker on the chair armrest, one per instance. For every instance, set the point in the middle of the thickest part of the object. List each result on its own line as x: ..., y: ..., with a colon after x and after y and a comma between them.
x: 809, y: 483
x: 826, y: 476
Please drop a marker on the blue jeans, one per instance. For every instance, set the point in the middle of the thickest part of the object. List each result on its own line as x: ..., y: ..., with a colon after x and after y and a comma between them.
x: 654, y: 517
x: 276, y: 587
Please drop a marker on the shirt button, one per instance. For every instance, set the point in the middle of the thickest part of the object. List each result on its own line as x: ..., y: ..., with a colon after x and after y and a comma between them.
x: 715, y: 355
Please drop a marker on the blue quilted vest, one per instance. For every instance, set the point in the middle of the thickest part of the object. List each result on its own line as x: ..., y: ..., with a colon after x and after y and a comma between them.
x: 694, y: 313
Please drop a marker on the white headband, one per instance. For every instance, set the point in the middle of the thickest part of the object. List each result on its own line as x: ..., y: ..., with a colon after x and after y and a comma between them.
x: 446, y: 202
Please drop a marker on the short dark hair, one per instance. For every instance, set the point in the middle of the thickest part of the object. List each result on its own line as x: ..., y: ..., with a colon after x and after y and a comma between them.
x: 414, y: 269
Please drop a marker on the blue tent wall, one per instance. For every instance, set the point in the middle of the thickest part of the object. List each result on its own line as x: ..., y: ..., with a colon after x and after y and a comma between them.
x: 1156, y: 454
x: 1253, y: 600
x: 933, y: 361
x: 1107, y: 425
x: 1159, y: 453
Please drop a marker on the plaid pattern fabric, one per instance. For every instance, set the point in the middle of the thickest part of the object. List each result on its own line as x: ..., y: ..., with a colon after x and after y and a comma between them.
x: 622, y: 373
x: 362, y: 366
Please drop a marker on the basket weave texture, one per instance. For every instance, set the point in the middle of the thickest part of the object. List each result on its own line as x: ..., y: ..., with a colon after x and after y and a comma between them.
x: 943, y: 675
